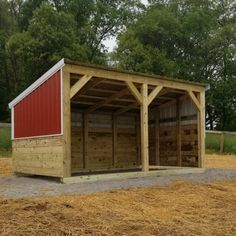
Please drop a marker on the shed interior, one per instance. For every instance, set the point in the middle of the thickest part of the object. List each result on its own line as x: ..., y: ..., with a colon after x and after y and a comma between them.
x: 106, y: 128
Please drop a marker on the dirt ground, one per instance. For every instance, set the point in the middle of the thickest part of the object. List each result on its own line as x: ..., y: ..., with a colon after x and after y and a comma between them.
x: 220, y: 161
x: 183, y: 208
x: 197, y: 204
x: 5, y: 166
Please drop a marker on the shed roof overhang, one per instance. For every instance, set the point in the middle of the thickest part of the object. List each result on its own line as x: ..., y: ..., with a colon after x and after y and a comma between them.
x: 113, y: 79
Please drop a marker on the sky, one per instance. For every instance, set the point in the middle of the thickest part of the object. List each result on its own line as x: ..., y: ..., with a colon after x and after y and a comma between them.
x: 111, y: 43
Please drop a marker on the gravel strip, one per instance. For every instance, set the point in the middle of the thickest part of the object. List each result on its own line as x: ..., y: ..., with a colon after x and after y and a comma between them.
x: 20, y: 187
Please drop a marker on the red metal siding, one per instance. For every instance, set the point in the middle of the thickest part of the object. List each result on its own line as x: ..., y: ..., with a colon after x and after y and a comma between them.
x: 39, y: 113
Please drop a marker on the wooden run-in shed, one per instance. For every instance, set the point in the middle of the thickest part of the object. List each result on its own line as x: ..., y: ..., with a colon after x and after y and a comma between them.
x: 78, y: 119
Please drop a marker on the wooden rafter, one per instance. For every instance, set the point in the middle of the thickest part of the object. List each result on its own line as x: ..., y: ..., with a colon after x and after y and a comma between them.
x: 194, y: 99
x: 172, y: 101
x: 102, y: 98
x: 126, y: 108
x: 105, y: 105
x: 103, y: 90
x: 107, y: 100
x: 134, y: 91
x: 90, y: 85
x: 78, y: 85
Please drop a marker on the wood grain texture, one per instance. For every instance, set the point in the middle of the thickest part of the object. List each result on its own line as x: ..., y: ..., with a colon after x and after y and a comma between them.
x: 43, y: 156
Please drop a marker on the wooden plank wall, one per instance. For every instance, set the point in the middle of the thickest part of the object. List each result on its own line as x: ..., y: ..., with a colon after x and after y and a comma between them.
x: 39, y: 156
x: 169, y: 134
x: 101, y: 152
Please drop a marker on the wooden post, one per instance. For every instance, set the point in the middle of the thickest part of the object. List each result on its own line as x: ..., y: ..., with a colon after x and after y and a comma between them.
x: 137, y: 123
x: 157, y: 137
x: 222, y: 142
x: 66, y: 123
x: 114, y: 140
x: 144, y: 128
x: 85, y: 140
x: 201, y: 130
x: 178, y: 132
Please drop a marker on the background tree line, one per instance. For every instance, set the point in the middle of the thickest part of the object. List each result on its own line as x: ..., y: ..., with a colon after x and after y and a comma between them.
x: 185, y: 39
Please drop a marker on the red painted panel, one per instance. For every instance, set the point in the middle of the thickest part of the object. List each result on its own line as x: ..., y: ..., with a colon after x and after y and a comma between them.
x: 39, y: 113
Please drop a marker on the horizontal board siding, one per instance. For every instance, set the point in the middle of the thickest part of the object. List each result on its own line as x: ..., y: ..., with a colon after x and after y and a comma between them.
x: 168, y: 146
x: 99, y: 145
x: 189, y: 145
x: 39, y: 113
x: 43, y: 156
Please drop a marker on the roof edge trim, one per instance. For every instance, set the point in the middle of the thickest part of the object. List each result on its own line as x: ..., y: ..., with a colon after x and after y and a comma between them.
x: 37, y: 83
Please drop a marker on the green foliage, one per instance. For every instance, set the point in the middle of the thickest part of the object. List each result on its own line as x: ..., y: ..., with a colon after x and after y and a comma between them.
x: 35, y: 34
x: 193, y: 40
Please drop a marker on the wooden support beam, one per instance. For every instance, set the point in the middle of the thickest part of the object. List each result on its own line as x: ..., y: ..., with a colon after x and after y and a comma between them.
x: 201, y: 130
x: 194, y: 99
x: 107, y: 100
x: 157, y: 137
x: 78, y: 85
x: 154, y: 93
x: 138, y: 138
x: 90, y: 85
x: 85, y: 140
x: 134, y: 91
x: 144, y: 128
x: 114, y: 140
x: 66, y: 124
x: 178, y: 133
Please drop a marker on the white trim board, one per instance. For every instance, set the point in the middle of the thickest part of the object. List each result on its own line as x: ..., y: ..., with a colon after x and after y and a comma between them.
x: 39, y: 136
x: 38, y: 82
x: 12, y: 124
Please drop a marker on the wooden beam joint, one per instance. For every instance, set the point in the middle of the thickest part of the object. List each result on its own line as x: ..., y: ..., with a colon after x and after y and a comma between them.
x: 154, y: 93
x: 194, y: 99
x: 78, y: 85
x: 135, y: 92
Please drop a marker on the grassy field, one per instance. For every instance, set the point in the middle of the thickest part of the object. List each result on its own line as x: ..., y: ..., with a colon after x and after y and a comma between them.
x: 213, y: 143
x: 5, y: 141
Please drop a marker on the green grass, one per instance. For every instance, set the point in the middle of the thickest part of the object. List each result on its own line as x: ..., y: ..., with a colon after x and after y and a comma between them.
x: 5, y: 141
x: 230, y: 144
x: 213, y: 143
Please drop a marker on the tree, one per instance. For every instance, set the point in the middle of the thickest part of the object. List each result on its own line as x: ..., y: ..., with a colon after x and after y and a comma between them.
x: 35, y: 34
x: 188, y: 39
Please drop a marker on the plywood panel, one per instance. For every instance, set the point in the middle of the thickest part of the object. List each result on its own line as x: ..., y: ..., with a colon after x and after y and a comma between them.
x: 42, y: 156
